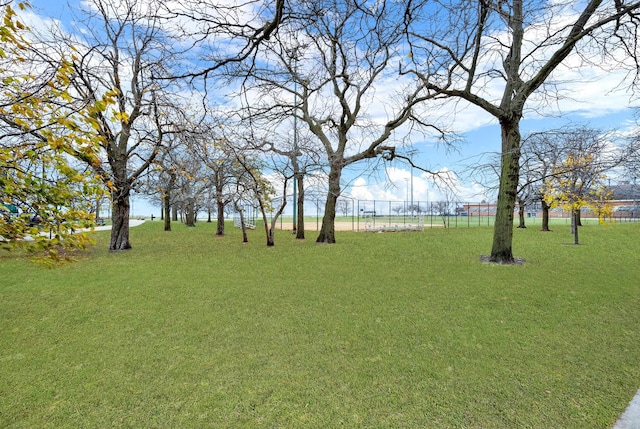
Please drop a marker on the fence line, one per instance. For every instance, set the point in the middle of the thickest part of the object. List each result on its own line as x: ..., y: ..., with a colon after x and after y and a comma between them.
x: 388, y: 215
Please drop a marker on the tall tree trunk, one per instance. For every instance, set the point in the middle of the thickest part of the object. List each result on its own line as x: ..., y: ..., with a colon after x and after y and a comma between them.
x: 300, y: 203
x: 545, y: 215
x: 501, y: 252
x: 220, y: 225
x: 275, y: 217
x: 268, y: 232
x: 166, y: 200
x: 209, y: 215
x: 98, y: 204
x: 578, y: 217
x: 166, y: 208
x: 572, y: 216
x: 120, y: 220
x: 243, y: 225
x: 174, y: 212
x: 190, y: 213
x: 328, y: 230
x: 521, y: 208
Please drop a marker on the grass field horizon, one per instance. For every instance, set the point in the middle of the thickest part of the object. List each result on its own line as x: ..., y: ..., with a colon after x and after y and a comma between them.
x: 379, y: 330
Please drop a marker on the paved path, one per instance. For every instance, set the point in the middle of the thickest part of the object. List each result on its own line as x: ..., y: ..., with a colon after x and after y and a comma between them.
x: 132, y: 222
x: 630, y: 419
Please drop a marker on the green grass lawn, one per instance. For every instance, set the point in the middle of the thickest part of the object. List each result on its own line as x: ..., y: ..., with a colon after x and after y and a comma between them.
x: 397, y: 330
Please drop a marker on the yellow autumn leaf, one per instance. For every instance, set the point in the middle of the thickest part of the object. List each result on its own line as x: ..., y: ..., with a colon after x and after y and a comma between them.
x: 122, y: 117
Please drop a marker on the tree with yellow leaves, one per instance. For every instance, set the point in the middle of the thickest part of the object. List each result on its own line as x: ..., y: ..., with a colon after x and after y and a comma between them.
x: 577, y: 182
x: 51, y: 200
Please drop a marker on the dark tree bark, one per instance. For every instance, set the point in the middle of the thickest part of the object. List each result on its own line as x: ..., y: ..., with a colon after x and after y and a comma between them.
x: 327, y: 233
x: 521, y: 210
x: 501, y: 252
x: 575, y: 224
x: 267, y: 231
x: 243, y: 225
x: 545, y: 216
x: 190, y: 213
x: 300, y: 206
x: 166, y: 209
x: 120, y: 221
x: 166, y: 200
x: 220, y: 223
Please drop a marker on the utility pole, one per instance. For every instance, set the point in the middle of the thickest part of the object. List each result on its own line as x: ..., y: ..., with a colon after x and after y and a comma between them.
x: 411, y: 191
x: 295, y: 149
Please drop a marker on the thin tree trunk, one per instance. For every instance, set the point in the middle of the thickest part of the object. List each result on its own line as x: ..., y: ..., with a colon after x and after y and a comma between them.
x: 190, y: 213
x: 120, y: 221
x: 545, y: 216
x: 174, y: 213
x: 243, y: 226
x: 166, y: 203
x: 275, y: 217
x: 327, y: 230
x: 268, y: 232
x: 521, y: 210
x: 575, y: 219
x: 300, y: 207
x: 220, y: 225
x: 501, y: 251
x: 98, y: 204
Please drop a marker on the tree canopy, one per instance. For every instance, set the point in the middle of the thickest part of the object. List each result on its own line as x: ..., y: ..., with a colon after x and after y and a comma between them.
x: 53, y: 198
x: 106, y: 103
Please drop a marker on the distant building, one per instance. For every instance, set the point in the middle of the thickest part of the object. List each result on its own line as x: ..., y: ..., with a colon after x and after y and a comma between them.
x: 625, y: 201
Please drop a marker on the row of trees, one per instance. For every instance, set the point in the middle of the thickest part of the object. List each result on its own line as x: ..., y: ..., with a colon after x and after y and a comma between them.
x: 134, y: 91
x: 567, y: 168
x: 101, y: 108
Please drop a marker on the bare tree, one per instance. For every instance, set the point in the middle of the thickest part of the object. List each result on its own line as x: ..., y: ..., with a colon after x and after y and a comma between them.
x: 116, y: 59
x: 262, y: 191
x: 224, y: 172
x: 542, y: 155
x: 631, y: 161
x: 347, y: 54
x: 463, y: 49
x: 162, y: 180
x: 223, y: 33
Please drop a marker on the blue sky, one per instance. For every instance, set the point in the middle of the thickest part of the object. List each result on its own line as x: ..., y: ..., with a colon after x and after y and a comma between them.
x: 602, y: 103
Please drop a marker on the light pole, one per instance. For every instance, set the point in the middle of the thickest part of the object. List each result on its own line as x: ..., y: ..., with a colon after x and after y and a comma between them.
x: 411, y: 191
x: 295, y: 141
x: 428, y: 195
x: 407, y: 197
x: 634, y: 212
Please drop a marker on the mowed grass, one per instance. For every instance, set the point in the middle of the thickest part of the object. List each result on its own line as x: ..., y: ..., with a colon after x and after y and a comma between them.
x: 396, y: 330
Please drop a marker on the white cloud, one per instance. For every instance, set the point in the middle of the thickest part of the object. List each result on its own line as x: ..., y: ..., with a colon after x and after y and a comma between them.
x: 423, y: 187
x: 585, y: 90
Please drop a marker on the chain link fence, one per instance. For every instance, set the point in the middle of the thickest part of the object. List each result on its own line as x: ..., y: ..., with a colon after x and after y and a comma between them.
x: 381, y: 215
